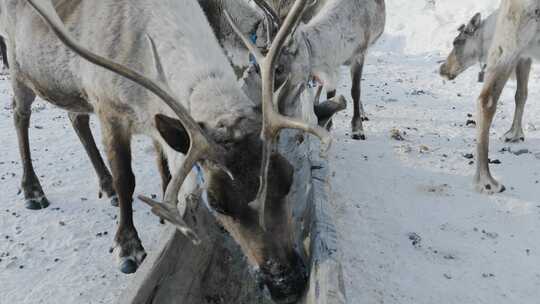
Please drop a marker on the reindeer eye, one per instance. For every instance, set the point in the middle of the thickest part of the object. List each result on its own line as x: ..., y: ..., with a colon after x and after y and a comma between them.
x: 203, y: 125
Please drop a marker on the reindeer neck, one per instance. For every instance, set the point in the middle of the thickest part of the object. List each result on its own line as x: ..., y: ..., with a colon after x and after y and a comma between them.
x: 487, y: 31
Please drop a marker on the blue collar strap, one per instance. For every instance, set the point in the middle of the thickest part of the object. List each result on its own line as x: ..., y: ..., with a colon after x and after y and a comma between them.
x: 200, y: 174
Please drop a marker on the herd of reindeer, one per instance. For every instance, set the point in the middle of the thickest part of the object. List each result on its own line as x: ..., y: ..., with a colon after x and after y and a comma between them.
x: 170, y: 69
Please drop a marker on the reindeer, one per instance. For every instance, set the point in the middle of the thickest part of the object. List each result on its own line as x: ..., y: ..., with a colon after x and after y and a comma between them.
x: 249, y: 17
x: 250, y: 20
x: 319, y: 47
x: 516, y: 29
x: 197, y: 113
x: 24, y: 96
x: 471, y: 46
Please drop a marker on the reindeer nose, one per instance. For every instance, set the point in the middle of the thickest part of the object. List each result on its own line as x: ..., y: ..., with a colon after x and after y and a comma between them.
x: 442, y: 70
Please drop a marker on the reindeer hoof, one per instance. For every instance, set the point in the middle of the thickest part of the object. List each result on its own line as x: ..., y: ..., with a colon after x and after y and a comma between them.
x: 365, y: 118
x: 514, y: 139
x: 357, y: 129
x: 358, y: 137
x: 128, y: 266
x: 128, y: 251
x: 514, y: 136
x: 489, y: 186
x: 114, y: 201
x: 37, y: 203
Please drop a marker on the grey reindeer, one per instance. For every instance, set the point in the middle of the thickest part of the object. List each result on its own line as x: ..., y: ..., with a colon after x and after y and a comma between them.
x: 516, y: 37
x: 471, y: 47
x: 190, y: 103
x: 339, y: 33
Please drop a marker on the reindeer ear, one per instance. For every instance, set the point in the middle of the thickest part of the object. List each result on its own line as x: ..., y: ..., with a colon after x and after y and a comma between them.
x: 461, y: 28
x: 173, y: 132
x: 476, y: 21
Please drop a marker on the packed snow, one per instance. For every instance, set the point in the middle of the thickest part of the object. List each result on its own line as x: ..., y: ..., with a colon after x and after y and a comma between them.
x: 413, y: 231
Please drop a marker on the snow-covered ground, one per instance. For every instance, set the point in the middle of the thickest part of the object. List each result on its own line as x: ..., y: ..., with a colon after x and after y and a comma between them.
x: 413, y: 230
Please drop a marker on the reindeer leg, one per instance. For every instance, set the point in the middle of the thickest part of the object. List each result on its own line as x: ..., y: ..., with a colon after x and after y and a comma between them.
x: 330, y: 93
x: 128, y: 248
x: 81, y: 125
x: 358, y: 110
x: 33, y: 192
x: 487, y: 105
x: 523, y: 69
x: 3, y: 50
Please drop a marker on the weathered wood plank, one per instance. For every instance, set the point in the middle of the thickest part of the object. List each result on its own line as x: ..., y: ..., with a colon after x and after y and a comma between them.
x: 215, y: 272
x: 326, y: 284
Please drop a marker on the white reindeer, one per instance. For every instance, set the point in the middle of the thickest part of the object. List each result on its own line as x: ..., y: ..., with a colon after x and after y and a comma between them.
x: 340, y: 33
x: 472, y: 45
x: 516, y: 28
x: 215, y: 125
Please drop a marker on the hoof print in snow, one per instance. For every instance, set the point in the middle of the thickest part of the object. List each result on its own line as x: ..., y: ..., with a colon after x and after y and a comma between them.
x: 397, y: 135
x: 449, y: 257
x: 416, y: 239
x: 491, y: 235
x: 418, y: 92
x: 516, y: 152
x: 468, y: 156
x: 470, y: 123
x: 520, y: 152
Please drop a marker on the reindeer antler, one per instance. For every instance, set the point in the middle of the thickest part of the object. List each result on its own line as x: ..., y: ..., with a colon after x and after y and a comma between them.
x: 201, y: 146
x: 273, y: 122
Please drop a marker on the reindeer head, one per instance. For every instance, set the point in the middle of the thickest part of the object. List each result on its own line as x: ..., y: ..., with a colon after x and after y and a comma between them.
x: 468, y: 49
x: 293, y: 66
x: 237, y: 152
x: 294, y: 61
